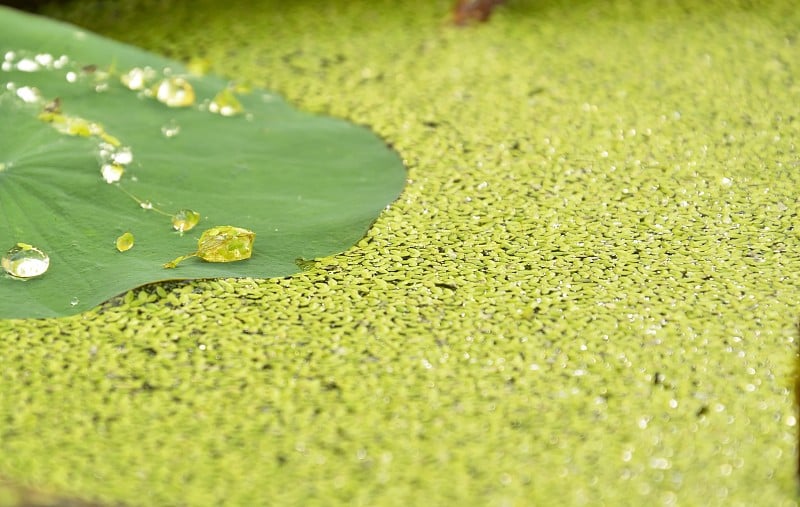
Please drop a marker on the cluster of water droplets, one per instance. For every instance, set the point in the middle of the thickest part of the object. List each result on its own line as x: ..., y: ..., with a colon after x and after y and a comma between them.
x: 23, y: 261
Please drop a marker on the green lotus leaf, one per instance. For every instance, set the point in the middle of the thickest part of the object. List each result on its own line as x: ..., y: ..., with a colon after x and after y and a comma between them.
x: 99, y: 139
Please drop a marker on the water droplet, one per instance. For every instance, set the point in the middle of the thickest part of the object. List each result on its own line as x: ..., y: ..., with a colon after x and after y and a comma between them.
x: 25, y: 261
x: 60, y: 62
x: 29, y: 94
x: 44, y: 59
x: 74, y: 301
x: 71, y: 77
x: 146, y: 205
x: 125, y: 242
x: 185, y: 220
x: 221, y: 244
x: 27, y: 65
x: 137, y: 78
x: 175, y: 92
x: 112, y: 173
x: 122, y: 156
x: 170, y: 129
x: 226, y: 104
x: 9, y: 56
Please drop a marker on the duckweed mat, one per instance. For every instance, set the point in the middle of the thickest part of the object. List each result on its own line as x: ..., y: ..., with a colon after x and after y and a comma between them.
x: 586, y: 294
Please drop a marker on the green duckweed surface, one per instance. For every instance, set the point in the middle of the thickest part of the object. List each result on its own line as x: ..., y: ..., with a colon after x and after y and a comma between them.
x: 586, y: 294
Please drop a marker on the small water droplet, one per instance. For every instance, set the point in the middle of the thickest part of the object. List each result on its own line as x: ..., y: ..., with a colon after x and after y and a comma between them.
x: 112, y: 173
x: 122, y: 155
x: 25, y: 261
x: 71, y: 77
x: 170, y: 129
x: 29, y: 94
x: 9, y: 56
x: 137, y: 78
x: 146, y: 205
x: 185, y: 220
x: 74, y: 301
x: 226, y: 104
x: 125, y: 242
x: 60, y: 62
x: 175, y: 92
x: 44, y: 59
x: 27, y: 65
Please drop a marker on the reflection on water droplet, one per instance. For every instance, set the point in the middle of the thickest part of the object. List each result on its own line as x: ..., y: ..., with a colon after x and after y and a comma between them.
x: 125, y: 242
x: 226, y: 104
x: 146, y: 204
x: 25, y: 261
x: 112, y: 173
x: 175, y: 92
x: 137, y: 78
x: 171, y: 129
x: 74, y: 301
x: 9, y: 56
x: 185, y: 220
x: 71, y: 77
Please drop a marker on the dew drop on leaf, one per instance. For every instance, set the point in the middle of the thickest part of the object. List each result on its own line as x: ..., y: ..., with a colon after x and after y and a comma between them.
x: 25, y: 261
x: 27, y: 65
x: 137, y: 78
x: 170, y: 129
x: 185, y: 220
x: 125, y: 242
x: 175, y: 92
x: 122, y: 156
x: 146, y: 205
x: 224, y: 243
x: 74, y: 301
x: 226, y: 104
x: 29, y: 94
x: 112, y: 173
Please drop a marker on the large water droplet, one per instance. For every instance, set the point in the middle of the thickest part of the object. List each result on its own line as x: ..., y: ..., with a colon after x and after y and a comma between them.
x: 226, y: 104
x: 224, y: 243
x: 185, y: 220
x: 25, y: 261
x: 125, y: 242
x: 175, y: 92
x: 170, y: 129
